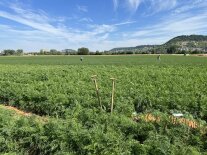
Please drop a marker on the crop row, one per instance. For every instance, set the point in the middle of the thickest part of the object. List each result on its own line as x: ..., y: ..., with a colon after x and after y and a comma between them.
x: 76, y: 125
x: 54, y: 90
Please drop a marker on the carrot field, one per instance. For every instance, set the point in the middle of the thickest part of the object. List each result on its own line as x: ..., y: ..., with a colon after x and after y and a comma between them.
x: 60, y: 88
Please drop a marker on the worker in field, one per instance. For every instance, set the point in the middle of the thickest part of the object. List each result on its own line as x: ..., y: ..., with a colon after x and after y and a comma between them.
x: 81, y: 59
x: 158, y: 57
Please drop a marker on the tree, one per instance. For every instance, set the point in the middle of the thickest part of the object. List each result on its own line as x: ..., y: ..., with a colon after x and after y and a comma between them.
x: 195, y: 52
x: 53, y: 52
x: 83, y: 51
x: 172, y: 49
x: 98, y: 53
x: 8, y: 52
x: 19, y: 52
x: 42, y: 52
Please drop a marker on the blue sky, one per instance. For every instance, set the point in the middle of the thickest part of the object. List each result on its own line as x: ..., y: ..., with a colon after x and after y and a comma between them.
x: 97, y: 24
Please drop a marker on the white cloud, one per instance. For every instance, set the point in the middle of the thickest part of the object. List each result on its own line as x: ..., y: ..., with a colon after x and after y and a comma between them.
x: 101, y: 29
x: 153, y: 6
x: 124, y: 23
x: 184, y: 24
x: 39, y: 16
x: 160, y: 5
x: 45, y: 33
x: 86, y: 19
x: 191, y: 5
x: 116, y: 4
x: 82, y: 8
x: 30, y: 22
x: 133, y: 4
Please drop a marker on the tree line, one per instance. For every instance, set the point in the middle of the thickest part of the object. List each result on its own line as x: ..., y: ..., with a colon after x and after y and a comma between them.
x: 85, y: 51
x: 12, y: 52
x: 80, y: 51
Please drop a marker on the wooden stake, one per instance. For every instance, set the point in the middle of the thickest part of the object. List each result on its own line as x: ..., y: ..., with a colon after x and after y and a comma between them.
x: 97, y: 90
x: 112, y: 94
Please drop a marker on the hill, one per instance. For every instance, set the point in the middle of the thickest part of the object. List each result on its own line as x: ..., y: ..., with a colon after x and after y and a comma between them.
x: 180, y: 44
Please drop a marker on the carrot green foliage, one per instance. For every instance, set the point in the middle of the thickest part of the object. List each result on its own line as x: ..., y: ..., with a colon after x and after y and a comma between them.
x: 65, y: 95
